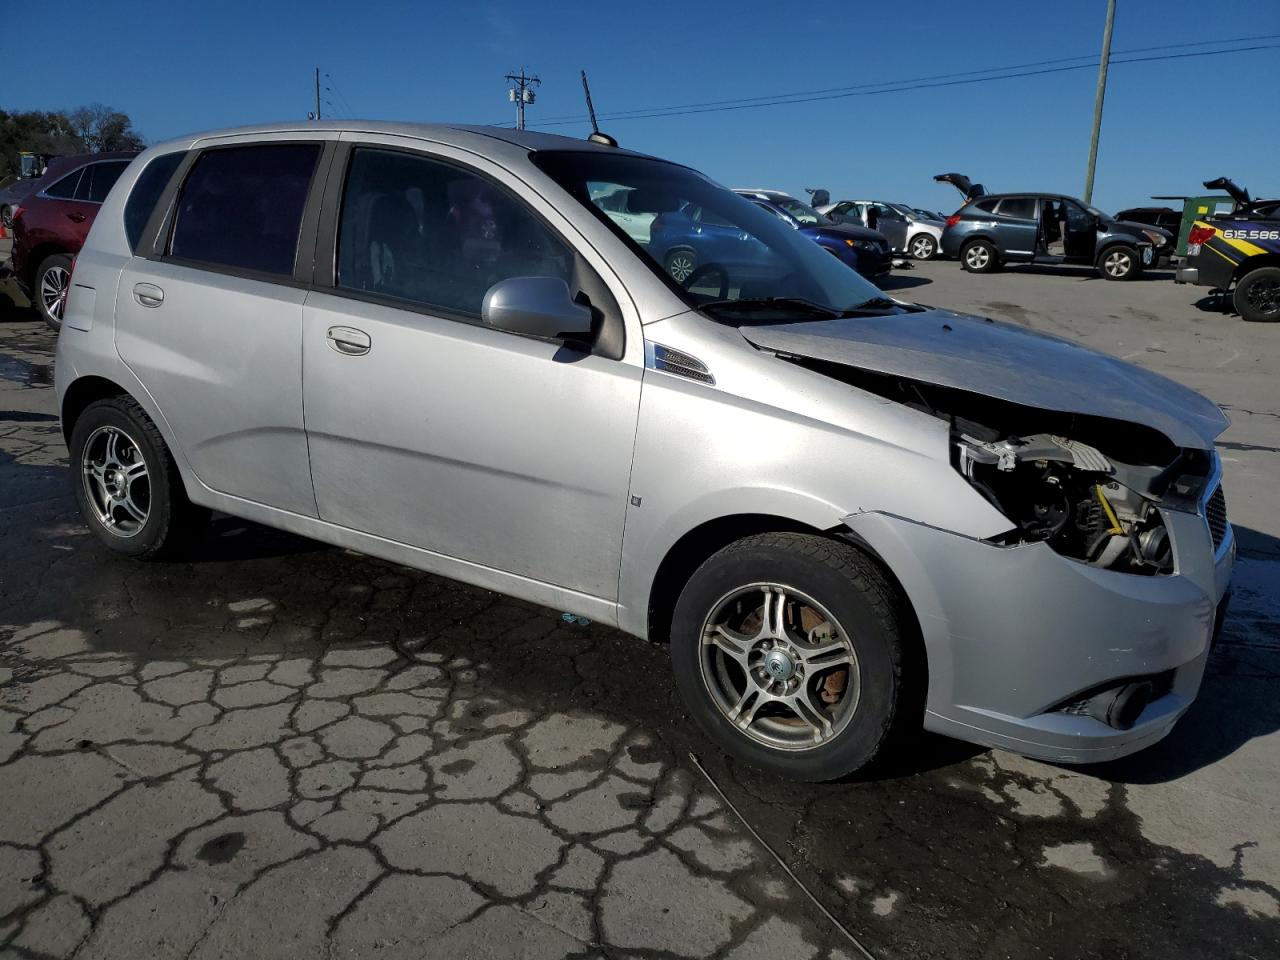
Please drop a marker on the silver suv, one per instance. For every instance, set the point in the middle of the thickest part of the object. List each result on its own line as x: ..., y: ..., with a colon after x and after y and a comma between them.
x: 848, y: 515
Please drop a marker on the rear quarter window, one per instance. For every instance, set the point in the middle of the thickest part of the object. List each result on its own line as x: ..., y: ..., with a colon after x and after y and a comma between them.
x: 64, y: 189
x: 985, y: 206
x: 241, y: 207
x: 146, y: 193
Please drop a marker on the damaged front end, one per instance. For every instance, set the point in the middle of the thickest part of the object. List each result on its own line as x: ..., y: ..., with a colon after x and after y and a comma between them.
x: 1091, y: 488
x: 1085, y: 504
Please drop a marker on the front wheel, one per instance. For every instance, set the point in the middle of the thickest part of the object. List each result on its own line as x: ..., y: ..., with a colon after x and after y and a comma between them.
x: 923, y: 247
x: 787, y: 650
x: 53, y: 281
x: 1257, y: 295
x: 979, y: 257
x: 126, y: 484
x: 1119, y: 263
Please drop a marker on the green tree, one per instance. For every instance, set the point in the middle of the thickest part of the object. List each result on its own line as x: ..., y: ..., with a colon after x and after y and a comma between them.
x: 89, y: 129
x: 103, y: 129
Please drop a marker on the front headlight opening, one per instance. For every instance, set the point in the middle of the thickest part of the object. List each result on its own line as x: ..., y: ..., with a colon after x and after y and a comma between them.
x: 1066, y: 494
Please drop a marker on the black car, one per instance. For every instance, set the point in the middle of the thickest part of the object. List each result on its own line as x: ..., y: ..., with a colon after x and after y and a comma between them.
x: 993, y: 229
x: 1238, y: 252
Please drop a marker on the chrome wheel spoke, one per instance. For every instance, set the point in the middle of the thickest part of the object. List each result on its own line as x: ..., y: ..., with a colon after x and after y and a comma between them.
x: 134, y: 471
x: 733, y: 645
x: 835, y: 653
x: 802, y: 705
x: 744, y: 711
x: 133, y: 510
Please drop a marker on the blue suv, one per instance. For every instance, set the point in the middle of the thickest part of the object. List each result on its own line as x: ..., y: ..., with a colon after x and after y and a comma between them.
x: 866, y: 250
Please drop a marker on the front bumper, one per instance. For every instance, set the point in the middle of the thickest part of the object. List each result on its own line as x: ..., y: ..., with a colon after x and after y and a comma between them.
x: 1013, y: 634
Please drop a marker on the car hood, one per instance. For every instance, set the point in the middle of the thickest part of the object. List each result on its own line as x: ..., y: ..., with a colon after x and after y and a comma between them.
x: 1133, y: 226
x: 839, y: 231
x: 1001, y: 360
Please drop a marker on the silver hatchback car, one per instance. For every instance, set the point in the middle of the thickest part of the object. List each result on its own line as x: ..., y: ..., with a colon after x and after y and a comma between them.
x: 847, y: 514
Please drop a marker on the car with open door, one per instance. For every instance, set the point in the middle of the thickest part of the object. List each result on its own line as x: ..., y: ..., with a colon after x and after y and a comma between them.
x: 847, y: 515
x: 908, y: 230
x: 996, y: 229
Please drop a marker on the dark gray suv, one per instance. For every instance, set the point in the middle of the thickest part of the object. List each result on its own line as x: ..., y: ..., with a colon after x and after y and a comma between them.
x: 992, y: 230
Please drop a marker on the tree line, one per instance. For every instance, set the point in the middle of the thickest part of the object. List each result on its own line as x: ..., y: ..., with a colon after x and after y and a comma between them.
x: 89, y: 129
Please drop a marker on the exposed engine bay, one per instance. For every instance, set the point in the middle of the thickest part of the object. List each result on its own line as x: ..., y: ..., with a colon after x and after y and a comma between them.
x: 1092, y: 488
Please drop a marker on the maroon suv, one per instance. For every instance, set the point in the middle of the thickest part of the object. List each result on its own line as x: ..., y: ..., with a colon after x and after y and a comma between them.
x: 50, y: 225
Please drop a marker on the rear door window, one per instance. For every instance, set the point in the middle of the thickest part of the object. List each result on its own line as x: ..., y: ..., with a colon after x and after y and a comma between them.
x: 65, y: 189
x: 427, y: 232
x: 241, y: 207
x: 1022, y: 208
x: 98, y: 179
x: 146, y: 193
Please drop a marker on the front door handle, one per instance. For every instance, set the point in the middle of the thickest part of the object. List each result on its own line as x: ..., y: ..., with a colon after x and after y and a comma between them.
x: 349, y: 341
x: 148, y: 294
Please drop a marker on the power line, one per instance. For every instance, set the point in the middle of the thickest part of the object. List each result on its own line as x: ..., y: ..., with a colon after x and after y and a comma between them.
x: 898, y: 86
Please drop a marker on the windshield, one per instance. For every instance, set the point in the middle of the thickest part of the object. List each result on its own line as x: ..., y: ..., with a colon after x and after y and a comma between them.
x: 803, y: 212
x: 711, y: 245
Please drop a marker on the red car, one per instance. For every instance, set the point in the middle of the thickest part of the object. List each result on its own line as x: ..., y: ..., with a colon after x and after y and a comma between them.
x: 50, y: 226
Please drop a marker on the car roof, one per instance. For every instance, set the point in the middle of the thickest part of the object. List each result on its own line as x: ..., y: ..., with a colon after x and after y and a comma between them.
x: 474, y: 137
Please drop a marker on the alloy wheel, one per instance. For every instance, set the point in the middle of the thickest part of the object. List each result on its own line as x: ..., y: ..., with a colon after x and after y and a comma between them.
x: 977, y: 256
x: 1264, y: 296
x: 1118, y: 263
x: 116, y: 481
x: 680, y: 267
x: 779, y: 667
x: 922, y: 248
x: 53, y: 291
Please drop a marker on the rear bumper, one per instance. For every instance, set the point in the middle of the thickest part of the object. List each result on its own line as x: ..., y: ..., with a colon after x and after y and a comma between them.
x: 1013, y: 635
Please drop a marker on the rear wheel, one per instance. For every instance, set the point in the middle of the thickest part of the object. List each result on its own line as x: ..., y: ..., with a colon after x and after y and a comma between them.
x: 979, y: 256
x: 126, y: 484
x: 53, y: 280
x: 1119, y: 262
x: 922, y: 247
x: 1257, y: 295
x: 787, y: 650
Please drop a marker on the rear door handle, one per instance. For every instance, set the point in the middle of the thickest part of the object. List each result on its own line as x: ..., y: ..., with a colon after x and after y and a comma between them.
x: 148, y: 294
x: 77, y: 217
x: 349, y: 341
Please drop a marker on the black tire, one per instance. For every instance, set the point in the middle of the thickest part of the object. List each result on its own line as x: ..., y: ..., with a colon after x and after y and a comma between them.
x: 1257, y: 295
x: 867, y: 611
x: 979, y: 256
x: 922, y: 247
x: 53, y: 272
x: 1119, y: 262
x: 680, y: 264
x: 171, y: 521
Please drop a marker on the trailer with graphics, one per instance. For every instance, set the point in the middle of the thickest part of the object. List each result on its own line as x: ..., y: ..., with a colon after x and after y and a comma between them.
x: 1238, y: 253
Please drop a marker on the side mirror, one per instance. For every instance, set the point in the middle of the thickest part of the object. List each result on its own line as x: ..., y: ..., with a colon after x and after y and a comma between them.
x: 536, y: 306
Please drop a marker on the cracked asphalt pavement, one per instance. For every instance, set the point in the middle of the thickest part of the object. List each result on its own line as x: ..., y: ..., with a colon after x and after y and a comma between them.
x: 281, y: 749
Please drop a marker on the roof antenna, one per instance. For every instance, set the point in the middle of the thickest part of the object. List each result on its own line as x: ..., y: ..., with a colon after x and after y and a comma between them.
x: 596, y: 135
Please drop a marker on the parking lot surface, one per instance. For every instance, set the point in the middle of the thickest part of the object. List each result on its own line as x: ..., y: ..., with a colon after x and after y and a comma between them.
x: 277, y: 748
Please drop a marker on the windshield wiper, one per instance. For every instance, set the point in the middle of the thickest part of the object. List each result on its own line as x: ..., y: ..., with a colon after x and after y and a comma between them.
x: 875, y: 303
x: 766, y: 303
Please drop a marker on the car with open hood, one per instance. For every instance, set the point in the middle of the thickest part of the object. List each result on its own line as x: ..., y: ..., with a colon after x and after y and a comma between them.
x: 847, y: 515
x: 994, y: 229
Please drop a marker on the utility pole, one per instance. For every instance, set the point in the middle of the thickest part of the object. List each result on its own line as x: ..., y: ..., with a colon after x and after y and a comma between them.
x: 318, y: 90
x: 521, y: 93
x: 1097, y: 101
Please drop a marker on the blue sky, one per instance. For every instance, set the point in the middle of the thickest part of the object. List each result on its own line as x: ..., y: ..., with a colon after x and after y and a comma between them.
x: 179, y: 66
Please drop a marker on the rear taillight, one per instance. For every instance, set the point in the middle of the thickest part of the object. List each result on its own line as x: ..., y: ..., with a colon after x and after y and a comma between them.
x: 1199, y: 234
x: 953, y: 220
x: 17, y: 212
